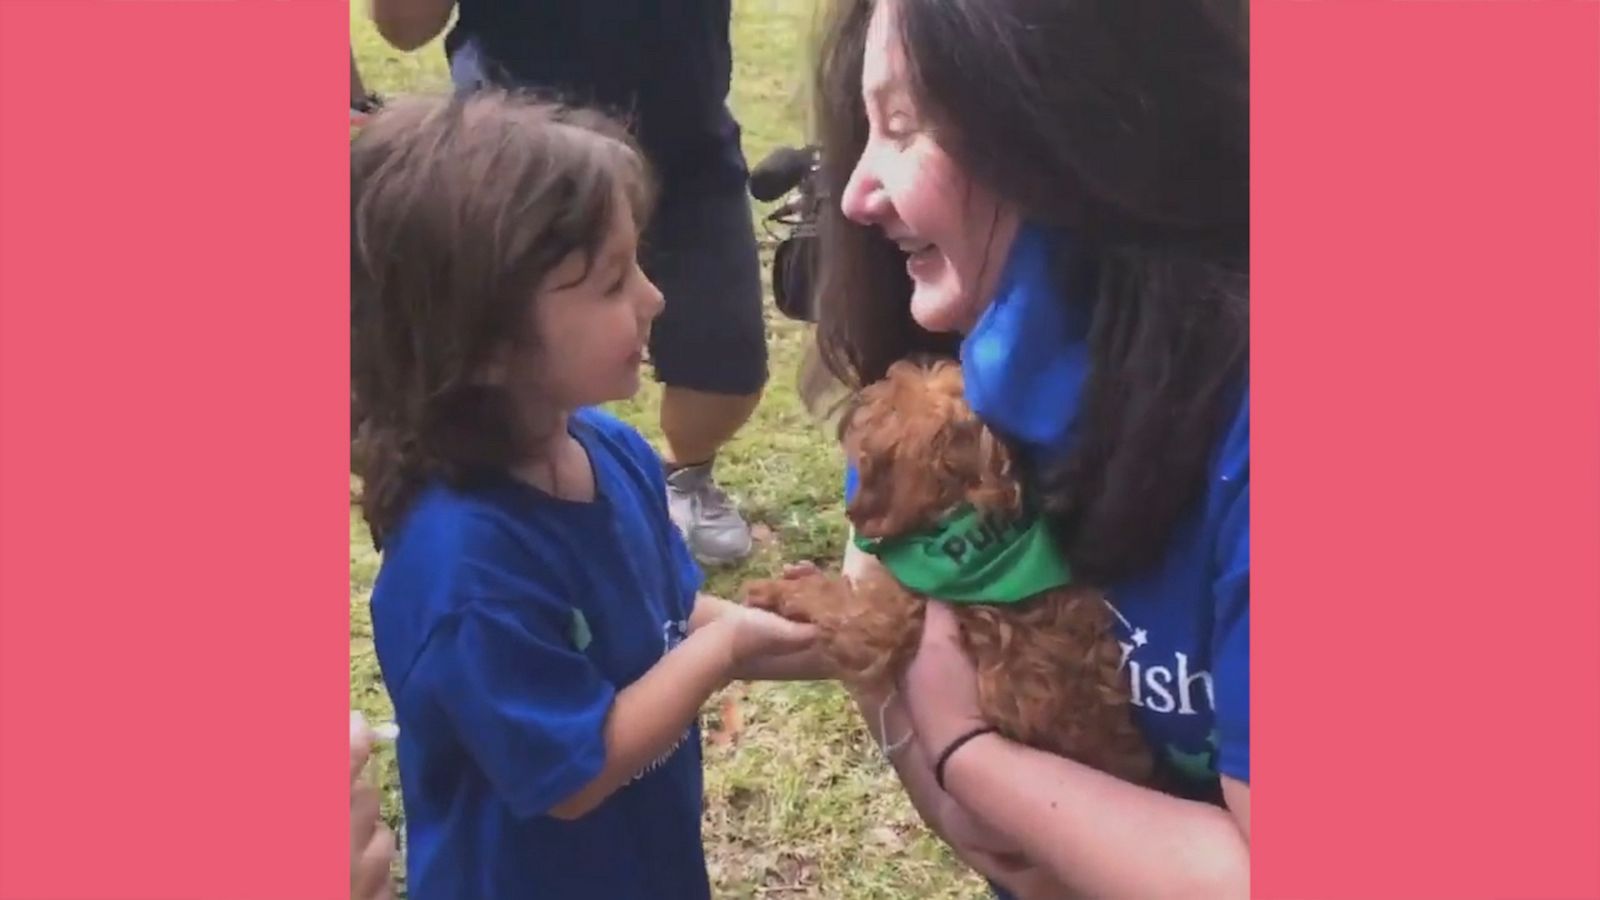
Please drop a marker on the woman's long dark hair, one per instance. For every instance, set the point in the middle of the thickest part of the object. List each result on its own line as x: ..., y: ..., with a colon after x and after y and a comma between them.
x: 1126, y: 123
x: 460, y: 208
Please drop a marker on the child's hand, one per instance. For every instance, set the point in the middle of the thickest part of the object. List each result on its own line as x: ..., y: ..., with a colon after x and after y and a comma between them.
x: 766, y: 658
x: 755, y: 635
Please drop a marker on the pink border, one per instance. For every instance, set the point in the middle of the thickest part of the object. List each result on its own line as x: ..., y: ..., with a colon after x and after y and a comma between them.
x: 173, y: 481
x: 1426, y: 307
x: 172, y: 449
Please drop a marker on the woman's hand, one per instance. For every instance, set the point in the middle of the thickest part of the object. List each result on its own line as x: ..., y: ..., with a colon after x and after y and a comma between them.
x: 371, y: 843
x: 940, y: 686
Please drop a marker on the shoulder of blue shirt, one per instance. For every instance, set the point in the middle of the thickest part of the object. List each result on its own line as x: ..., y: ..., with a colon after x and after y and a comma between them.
x: 613, y: 429
x: 451, y: 538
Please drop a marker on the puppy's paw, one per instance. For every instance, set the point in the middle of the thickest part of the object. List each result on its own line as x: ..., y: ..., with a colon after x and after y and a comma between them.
x: 813, y: 597
x: 787, y: 597
x: 765, y: 593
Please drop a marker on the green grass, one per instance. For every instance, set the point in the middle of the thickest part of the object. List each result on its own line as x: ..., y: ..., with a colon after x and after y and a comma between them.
x: 799, y: 804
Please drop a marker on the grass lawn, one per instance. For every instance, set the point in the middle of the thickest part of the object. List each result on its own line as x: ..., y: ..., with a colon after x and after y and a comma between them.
x: 798, y: 802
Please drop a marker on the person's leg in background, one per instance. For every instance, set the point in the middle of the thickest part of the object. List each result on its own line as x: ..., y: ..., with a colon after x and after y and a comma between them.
x: 709, y: 351
x: 358, y: 90
x: 696, y: 423
x: 362, y: 101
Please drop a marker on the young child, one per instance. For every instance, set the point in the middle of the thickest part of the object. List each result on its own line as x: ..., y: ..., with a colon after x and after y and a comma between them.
x: 537, y: 615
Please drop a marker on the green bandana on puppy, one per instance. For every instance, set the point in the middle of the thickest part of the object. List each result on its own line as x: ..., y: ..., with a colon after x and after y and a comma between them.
x: 970, y: 558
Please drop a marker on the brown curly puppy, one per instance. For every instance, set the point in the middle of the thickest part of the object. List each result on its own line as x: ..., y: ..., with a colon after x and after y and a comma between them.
x: 1049, y: 667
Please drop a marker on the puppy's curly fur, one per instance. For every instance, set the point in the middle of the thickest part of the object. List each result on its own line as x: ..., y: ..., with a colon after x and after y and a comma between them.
x: 1049, y: 668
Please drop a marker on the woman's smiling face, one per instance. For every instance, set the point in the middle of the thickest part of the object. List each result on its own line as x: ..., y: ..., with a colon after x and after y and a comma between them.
x: 955, y: 233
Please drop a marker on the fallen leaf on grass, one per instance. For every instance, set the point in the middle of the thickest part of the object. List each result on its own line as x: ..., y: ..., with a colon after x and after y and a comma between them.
x: 889, y: 837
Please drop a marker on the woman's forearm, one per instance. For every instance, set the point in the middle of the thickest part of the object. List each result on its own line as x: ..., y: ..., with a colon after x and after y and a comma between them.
x: 1098, y: 835
x: 889, y: 723
x: 880, y: 714
x: 916, y: 774
x: 915, y: 770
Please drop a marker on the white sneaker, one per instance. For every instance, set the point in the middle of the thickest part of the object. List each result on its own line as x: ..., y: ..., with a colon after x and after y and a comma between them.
x: 710, y: 522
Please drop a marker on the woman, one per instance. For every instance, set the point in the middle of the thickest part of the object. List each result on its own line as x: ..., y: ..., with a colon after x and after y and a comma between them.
x: 1057, y: 191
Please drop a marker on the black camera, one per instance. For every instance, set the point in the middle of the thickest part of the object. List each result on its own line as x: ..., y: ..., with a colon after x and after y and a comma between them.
x: 790, y: 173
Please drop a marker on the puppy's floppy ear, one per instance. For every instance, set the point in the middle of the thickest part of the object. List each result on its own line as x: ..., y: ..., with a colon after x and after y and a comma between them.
x: 975, y: 462
x: 887, y: 435
x: 869, y: 508
x: 858, y: 432
x: 885, y: 504
x: 997, y: 485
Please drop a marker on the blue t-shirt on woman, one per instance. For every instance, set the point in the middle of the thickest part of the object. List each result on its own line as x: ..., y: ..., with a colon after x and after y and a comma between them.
x: 1184, y: 624
x: 506, y: 621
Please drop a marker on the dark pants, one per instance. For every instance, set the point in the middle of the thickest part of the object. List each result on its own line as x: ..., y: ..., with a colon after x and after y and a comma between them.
x: 700, y: 250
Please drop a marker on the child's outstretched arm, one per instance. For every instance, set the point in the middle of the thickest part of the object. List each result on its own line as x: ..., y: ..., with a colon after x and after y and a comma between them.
x: 654, y: 711
x: 507, y: 673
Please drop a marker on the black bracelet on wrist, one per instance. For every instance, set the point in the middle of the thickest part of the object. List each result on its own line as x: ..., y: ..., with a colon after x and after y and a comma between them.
x: 938, y: 768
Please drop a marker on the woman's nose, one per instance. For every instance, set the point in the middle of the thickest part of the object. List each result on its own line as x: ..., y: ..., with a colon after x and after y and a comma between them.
x: 864, y: 201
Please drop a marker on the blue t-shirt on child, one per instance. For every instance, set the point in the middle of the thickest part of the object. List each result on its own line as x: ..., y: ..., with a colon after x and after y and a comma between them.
x: 1184, y: 624
x: 506, y: 621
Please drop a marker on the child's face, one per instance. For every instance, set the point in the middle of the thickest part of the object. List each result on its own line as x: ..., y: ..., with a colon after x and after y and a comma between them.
x: 592, y: 334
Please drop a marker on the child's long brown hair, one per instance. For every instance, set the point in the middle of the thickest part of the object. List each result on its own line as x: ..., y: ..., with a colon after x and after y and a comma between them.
x: 460, y: 208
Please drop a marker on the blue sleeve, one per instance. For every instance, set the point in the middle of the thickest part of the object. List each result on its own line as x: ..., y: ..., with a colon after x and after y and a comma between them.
x: 526, y: 706
x: 1231, y: 630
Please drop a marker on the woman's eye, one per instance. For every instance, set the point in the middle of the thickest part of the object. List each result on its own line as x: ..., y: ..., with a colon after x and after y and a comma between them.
x: 617, y: 285
x: 899, y: 127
